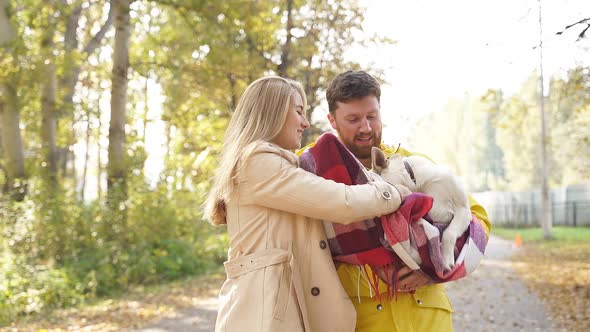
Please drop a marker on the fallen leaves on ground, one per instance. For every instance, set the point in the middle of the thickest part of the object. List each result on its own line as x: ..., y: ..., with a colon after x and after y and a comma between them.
x: 561, y: 277
x: 132, y: 310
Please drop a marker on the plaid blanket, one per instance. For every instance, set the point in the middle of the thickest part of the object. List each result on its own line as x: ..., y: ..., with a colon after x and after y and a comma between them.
x: 388, y: 242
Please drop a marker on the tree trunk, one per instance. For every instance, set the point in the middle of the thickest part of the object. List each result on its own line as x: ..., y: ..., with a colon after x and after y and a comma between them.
x: 98, y: 158
x: 10, y: 118
x: 546, y: 214
x: 117, y: 169
x: 86, y: 156
x: 6, y: 29
x: 72, y: 71
x: 1, y: 148
x: 145, y: 109
x: 12, y: 143
x: 232, y: 85
x: 67, y: 83
x: 48, y: 114
x: 70, y: 77
x: 286, y: 49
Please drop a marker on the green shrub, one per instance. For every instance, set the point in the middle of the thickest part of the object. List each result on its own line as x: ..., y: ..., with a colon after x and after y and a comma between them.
x: 26, y: 289
x: 59, y: 252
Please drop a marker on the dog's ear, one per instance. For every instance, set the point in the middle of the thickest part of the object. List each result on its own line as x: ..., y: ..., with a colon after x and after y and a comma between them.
x: 378, y: 160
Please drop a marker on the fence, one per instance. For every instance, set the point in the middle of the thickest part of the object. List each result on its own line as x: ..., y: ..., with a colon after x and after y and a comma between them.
x: 570, y: 206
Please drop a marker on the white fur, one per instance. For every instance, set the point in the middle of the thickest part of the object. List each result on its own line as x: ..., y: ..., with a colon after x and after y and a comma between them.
x: 450, y: 205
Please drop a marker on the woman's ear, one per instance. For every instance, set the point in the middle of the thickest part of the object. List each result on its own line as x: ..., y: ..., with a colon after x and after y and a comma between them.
x: 378, y: 160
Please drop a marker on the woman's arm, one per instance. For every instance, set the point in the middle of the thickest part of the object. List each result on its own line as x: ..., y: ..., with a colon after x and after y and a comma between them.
x: 271, y: 179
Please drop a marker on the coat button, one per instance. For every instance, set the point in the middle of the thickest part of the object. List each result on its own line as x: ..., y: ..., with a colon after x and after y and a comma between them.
x: 315, y: 291
x: 386, y: 195
x: 323, y: 244
x: 379, y: 307
x: 419, y: 301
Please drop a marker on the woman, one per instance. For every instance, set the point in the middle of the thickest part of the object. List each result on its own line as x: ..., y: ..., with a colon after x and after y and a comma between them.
x: 280, y: 274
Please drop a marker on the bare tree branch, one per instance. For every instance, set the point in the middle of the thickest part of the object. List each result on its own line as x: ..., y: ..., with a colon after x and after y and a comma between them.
x: 583, y: 33
x: 94, y: 42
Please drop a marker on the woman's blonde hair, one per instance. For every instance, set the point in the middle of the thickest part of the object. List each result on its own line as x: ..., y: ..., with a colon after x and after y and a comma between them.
x: 259, y: 117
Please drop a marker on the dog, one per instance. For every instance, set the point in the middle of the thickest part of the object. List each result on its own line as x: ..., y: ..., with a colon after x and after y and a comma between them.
x: 419, y: 174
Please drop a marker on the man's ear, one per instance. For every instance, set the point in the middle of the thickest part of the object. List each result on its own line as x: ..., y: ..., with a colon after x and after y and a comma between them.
x: 378, y: 160
x: 332, y: 121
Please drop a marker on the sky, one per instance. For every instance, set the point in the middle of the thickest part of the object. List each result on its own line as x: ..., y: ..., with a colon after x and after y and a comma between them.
x: 445, y: 49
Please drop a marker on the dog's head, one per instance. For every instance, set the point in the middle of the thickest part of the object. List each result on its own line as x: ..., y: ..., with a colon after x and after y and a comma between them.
x: 391, y: 169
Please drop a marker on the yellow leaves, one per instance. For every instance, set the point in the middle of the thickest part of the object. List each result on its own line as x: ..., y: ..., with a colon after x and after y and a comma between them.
x: 561, y: 277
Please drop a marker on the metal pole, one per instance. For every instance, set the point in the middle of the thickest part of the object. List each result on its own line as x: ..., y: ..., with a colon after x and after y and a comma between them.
x: 575, y: 214
x: 545, y: 203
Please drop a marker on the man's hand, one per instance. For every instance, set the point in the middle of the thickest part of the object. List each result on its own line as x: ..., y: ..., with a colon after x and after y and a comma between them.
x: 410, y: 280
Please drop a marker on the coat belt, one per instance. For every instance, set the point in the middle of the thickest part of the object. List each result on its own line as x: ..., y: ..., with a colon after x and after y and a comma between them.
x: 258, y: 260
x: 290, y: 279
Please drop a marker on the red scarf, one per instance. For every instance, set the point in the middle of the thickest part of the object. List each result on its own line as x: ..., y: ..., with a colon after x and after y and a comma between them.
x: 364, y: 242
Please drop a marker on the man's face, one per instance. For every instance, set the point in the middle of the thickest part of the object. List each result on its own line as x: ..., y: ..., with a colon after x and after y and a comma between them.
x: 358, y: 124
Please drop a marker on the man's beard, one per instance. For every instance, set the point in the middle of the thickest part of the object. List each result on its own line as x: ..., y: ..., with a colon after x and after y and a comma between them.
x: 361, y: 152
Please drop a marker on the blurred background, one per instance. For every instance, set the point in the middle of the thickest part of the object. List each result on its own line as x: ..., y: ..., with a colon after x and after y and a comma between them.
x: 112, y: 115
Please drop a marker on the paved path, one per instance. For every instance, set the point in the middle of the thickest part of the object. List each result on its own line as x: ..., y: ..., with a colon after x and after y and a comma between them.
x: 199, y: 319
x: 491, y: 299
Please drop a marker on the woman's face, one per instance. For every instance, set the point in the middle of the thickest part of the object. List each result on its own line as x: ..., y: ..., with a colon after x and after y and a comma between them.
x: 289, y: 137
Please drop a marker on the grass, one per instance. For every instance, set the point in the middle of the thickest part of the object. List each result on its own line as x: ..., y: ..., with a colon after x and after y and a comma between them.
x: 558, y: 270
x: 561, y: 234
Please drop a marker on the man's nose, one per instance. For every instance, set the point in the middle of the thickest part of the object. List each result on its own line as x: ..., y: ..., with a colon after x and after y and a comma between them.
x: 366, y: 126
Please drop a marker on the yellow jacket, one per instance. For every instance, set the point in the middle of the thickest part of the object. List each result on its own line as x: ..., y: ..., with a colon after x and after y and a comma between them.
x: 428, y: 309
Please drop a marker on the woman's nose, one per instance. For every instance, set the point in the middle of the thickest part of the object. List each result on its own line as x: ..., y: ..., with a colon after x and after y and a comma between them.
x: 305, y: 123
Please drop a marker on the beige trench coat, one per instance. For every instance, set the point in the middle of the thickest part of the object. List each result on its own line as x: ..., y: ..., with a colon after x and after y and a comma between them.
x: 280, y: 274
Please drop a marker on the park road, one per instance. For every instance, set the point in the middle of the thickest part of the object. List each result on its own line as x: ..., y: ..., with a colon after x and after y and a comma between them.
x: 492, y: 298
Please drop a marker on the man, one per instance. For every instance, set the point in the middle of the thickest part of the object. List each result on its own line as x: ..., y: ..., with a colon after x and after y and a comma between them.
x: 354, y: 112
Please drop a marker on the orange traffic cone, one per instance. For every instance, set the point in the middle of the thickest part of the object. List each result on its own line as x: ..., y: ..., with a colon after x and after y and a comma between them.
x: 517, y: 240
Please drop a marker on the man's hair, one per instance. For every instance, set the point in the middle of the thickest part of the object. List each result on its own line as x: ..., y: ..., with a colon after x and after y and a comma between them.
x: 351, y: 85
